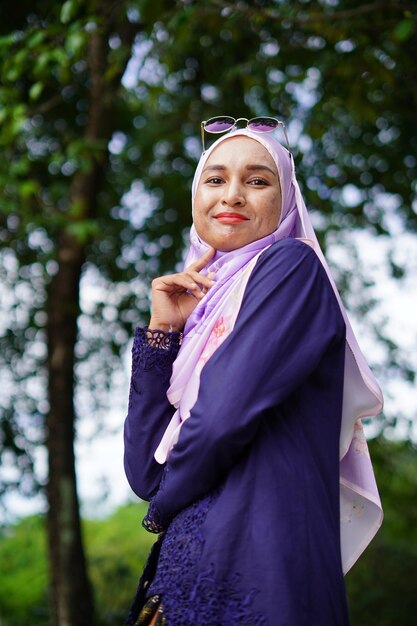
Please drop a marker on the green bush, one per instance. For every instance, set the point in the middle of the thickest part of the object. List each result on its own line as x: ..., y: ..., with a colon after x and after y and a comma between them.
x: 381, y: 586
x: 117, y: 548
x: 24, y: 576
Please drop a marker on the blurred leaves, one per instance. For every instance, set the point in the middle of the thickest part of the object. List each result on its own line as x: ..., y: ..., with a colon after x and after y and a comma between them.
x: 341, y: 74
x: 390, y: 562
x: 404, y: 29
x: 68, y: 11
x: 117, y: 549
x: 381, y: 585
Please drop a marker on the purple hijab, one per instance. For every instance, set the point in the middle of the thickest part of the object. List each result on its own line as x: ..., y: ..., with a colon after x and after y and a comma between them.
x: 213, y: 319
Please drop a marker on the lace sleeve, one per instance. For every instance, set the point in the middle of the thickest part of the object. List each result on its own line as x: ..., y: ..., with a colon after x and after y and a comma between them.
x: 154, y: 349
x: 153, y: 521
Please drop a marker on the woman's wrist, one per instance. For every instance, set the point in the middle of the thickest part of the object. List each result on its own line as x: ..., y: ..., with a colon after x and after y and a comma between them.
x: 166, y: 328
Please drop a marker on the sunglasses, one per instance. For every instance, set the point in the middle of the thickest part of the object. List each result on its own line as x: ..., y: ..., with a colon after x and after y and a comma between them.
x: 224, y: 123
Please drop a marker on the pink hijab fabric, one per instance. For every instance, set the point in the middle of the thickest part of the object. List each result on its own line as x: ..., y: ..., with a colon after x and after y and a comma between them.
x: 213, y: 319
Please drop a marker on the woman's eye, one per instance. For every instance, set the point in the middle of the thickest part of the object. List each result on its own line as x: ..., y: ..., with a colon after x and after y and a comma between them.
x: 258, y: 181
x: 215, y: 180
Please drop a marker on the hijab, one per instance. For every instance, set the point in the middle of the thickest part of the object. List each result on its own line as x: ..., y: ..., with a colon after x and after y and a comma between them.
x: 214, y: 317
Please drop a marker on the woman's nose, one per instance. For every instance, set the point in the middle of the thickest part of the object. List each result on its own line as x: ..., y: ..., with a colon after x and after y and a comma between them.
x: 234, y: 195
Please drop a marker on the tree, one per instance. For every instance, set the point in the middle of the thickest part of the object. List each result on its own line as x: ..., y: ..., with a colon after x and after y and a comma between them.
x: 95, y: 173
x: 59, y: 94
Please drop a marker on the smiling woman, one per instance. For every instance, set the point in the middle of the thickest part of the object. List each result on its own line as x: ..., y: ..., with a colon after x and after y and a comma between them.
x: 238, y: 197
x: 244, y: 424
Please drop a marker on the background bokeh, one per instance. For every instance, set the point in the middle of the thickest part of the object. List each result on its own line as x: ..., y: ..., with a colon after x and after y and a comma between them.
x: 100, y: 111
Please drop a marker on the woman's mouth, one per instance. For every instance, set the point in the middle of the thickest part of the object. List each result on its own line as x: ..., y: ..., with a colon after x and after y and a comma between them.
x: 231, y: 218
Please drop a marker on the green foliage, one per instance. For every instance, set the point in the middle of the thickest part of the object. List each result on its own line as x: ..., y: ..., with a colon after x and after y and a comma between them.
x: 53, y: 159
x: 117, y: 550
x: 342, y: 74
x: 395, y: 468
x: 404, y: 29
x: 24, y: 584
x: 68, y: 11
x: 381, y: 586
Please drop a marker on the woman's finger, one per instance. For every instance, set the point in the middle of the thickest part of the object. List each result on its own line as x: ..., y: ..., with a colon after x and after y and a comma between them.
x: 177, y: 282
x: 189, y: 279
x: 205, y: 281
x: 202, y: 261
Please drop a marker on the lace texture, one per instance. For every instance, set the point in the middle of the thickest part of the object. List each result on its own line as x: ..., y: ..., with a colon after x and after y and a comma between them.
x: 153, y: 349
x: 196, y: 597
x: 153, y: 521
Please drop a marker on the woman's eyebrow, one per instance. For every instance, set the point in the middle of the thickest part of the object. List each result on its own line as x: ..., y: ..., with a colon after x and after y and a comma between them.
x: 260, y: 167
x: 214, y: 167
x: 251, y: 168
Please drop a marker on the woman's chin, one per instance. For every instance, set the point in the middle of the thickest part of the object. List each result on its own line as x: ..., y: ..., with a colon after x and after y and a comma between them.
x: 228, y: 240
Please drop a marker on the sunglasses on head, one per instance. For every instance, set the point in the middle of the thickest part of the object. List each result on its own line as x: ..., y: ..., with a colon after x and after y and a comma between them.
x: 224, y: 123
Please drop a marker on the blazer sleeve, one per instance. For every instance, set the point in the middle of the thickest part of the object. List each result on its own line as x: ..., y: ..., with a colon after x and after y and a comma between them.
x: 288, y: 319
x: 149, y: 410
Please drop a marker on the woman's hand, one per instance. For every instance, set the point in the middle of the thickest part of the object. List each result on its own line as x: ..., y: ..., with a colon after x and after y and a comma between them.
x: 174, y: 297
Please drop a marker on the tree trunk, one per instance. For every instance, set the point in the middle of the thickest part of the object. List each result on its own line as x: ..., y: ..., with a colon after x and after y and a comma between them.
x: 71, y: 595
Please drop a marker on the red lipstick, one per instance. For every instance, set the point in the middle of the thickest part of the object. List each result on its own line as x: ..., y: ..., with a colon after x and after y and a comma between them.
x: 230, y: 218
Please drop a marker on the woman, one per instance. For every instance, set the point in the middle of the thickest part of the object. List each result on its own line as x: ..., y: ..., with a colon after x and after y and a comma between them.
x: 236, y: 436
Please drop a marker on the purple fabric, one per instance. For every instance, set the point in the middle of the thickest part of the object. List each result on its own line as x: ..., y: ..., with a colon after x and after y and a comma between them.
x: 250, y: 497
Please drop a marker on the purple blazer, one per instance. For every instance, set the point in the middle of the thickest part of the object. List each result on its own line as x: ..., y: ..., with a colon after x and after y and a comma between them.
x: 249, y: 497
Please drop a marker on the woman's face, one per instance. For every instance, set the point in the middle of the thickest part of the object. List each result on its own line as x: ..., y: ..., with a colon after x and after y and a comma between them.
x: 238, y: 198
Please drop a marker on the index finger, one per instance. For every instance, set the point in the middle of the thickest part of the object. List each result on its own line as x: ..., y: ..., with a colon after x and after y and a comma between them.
x: 203, y: 260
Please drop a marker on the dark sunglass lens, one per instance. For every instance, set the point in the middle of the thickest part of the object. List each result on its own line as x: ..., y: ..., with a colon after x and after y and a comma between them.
x: 262, y: 124
x: 219, y: 124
